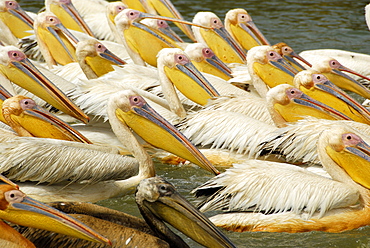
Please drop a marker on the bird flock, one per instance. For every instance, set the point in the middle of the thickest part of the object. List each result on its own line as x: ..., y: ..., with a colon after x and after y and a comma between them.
x: 96, y: 96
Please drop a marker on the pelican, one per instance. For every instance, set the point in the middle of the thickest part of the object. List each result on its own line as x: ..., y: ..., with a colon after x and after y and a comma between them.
x: 289, y: 54
x: 332, y: 69
x: 158, y: 202
x: 288, y: 104
x: 21, y: 209
x: 16, y: 23
x: 268, y: 69
x: 242, y: 28
x: 167, y: 9
x: 56, y: 43
x: 18, y: 68
x: 68, y: 15
x: 27, y: 119
x: 175, y: 68
x: 135, y: 36
x: 205, y: 60
x: 318, y: 86
x: 95, y: 59
x: 124, y: 108
x: 272, y: 197
x: 217, y: 38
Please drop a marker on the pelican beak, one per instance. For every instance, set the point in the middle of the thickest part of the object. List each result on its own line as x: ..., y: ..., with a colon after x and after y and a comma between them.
x: 23, y: 210
x: 191, y: 82
x: 38, y: 122
x: 224, y: 70
x: 108, y: 55
x: 169, y: 206
x: 167, y: 9
x: 70, y: 17
x: 221, y: 36
x: 102, y: 63
x: 294, y: 63
x: 167, y: 30
x: 22, y: 72
x: 155, y: 130
x: 64, y: 37
x: 333, y: 90
x: 18, y: 21
x: 353, y: 155
x: 249, y: 35
x: 276, y: 71
x: 302, y: 105
x: 346, y: 82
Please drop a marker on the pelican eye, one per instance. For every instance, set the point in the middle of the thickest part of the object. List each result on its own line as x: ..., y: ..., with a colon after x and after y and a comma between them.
x: 11, y: 4
x: 27, y: 103
x: 165, y: 190
x: 334, y: 63
x: 351, y: 139
x: 137, y: 101
x: 14, y: 196
x: 181, y: 59
x: 162, y: 24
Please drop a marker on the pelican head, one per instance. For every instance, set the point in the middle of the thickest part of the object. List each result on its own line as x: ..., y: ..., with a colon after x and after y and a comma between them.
x: 175, y: 64
x: 113, y: 9
x: 269, y: 66
x: 20, y: 209
x: 159, y: 201
x: 68, y: 15
x: 349, y: 152
x: 206, y: 61
x: 217, y: 38
x: 142, y: 42
x: 132, y: 110
x: 28, y: 119
x: 95, y: 59
x: 317, y: 86
x: 288, y: 53
x: 332, y: 69
x: 15, y: 18
x: 166, y: 8
x: 242, y: 28
x: 162, y: 27
x: 57, y: 44
x: 15, y: 66
x: 288, y: 104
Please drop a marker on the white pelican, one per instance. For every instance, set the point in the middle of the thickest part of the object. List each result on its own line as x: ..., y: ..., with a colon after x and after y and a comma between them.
x: 27, y: 119
x: 68, y: 15
x: 95, y: 59
x: 332, y: 69
x: 167, y: 9
x: 268, y: 69
x: 18, y: 208
x: 206, y: 61
x: 290, y: 55
x: 242, y: 28
x: 159, y: 202
x: 124, y: 108
x: 55, y: 42
x: 217, y: 38
x: 318, y: 86
x: 274, y: 197
x: 18, y: 68
x: 142, y: 42
x: 286, y: 103
x: 15, y: 22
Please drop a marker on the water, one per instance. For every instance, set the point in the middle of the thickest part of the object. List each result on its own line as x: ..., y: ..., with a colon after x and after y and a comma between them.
x: 303, y: 25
